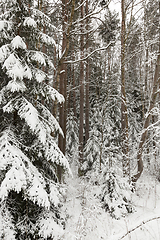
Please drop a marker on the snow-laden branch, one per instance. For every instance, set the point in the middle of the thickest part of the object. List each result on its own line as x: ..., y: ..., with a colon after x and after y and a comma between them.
x: 76, y: 9
x: 85, y: 58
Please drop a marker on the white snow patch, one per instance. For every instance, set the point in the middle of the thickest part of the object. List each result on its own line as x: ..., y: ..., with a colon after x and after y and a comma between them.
x: 49, y: 228
x: 87, y: 220
x: 6, y: 226
x: 39, y: 57
x: 4, y: 53
x: 30, y: 22
x: 18, y: 42
x: 15, y: 179
x: 47, y: 39
x: 15, y: 86
x: 5, y: 24
x: 15, y: 69
x: 2, y: 25
x: 37, y: 193
x: 54, y: 194
x: 54, y: 94
x: 40, y: 76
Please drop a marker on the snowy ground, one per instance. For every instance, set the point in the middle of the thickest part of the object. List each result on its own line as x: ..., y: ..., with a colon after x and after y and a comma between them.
x: 88, y: 221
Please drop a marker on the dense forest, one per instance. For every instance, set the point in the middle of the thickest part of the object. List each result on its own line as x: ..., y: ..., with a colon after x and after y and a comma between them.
x: 79, y: 102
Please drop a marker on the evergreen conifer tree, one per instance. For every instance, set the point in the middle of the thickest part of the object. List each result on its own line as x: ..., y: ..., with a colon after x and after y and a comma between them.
x: 29, y: 190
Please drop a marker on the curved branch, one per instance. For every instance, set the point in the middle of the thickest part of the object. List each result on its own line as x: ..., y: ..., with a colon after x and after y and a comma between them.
x: 138, y: 226
x: 85, y: 58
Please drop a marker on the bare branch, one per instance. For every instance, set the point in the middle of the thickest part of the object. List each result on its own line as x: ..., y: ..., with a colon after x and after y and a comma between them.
x: 136, y: 227
x: 85, y: 58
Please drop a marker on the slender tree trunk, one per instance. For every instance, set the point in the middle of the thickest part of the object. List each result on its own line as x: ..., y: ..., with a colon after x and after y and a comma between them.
x: 55, y: 85
x: 87, y: 81
x: 155, y: 93
x: 18, y: 20
x: 62, y: 88
x: 65, y: 110
x: 124, y: 114
x: 69, y: 95
x: 159, y: 26
x: 74, y: 94
x: 147, y: 121
x: 146, y: 79
x: 62, y: 74
x: 81, y: 82
x: 72, y: 91
x: 74, y: 84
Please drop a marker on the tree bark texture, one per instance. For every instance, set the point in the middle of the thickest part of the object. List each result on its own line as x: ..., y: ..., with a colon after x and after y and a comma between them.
x: 74, y: 93
x: 124, y: 114
x: 62, y: 74
x: 87, y: 81
x: 81, y: 82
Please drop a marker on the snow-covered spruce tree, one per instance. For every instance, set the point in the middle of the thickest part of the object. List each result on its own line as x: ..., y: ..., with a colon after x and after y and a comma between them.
x: 116, y: 194
x: 30, y: 194
x: 72, y: 141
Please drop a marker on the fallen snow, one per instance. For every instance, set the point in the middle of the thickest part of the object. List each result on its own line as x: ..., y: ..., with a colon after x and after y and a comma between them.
x: 88, y: 221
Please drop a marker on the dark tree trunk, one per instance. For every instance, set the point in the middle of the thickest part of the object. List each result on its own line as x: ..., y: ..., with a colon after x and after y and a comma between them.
x: 62, y: 73
x: 81, y: 82
x: 87, y: 81
x: 124, y: 114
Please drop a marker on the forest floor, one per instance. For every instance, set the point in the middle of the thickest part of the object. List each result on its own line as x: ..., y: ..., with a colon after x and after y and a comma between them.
x: 87, y: 220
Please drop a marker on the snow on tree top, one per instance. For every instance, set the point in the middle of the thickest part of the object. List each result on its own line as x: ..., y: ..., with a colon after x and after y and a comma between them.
x: 18, y: 42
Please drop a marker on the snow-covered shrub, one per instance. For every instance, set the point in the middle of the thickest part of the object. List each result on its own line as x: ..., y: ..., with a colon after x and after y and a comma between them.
x: 29, y: 156
x: 116, y: 195
x: 72, y: 140
x: 92, y: 152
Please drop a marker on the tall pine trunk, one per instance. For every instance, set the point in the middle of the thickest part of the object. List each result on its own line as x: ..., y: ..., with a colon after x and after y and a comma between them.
x: 124, y: 114
x: 81, y: 82
x: 87, y: 80
x: 62, y: 71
